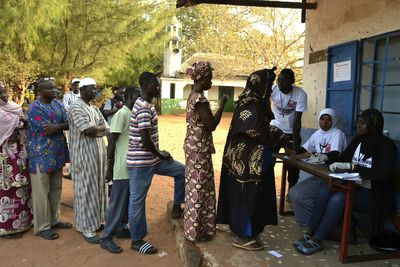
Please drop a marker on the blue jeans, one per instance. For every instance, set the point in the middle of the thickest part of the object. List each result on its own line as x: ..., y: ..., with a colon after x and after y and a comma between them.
x: 117, y: 208
x: 139, y: 184
x: 329, y: 207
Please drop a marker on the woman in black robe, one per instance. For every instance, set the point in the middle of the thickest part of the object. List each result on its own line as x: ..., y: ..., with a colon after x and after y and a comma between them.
x: 247, y: 197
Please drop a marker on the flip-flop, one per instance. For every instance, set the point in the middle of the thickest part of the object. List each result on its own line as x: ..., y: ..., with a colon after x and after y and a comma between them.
x: 48, y: 234
x: 252, y: 245
x: 301, y: 241
x: 61, y: 225
x: 314, y: 247
x: 144, y: 248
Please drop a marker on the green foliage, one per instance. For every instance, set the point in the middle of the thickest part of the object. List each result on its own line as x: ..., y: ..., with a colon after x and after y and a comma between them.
x: 77, y: 38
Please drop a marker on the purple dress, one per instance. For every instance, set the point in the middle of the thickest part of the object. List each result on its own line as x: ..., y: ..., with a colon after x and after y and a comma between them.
x: 15, y: 190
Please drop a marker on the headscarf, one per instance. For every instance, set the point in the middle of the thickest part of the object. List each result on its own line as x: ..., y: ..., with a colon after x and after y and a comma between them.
x: 10, y: 113
x: 374, y: 121
x: 256, y: 90
x: 320, y: 139
x: 199, y: 70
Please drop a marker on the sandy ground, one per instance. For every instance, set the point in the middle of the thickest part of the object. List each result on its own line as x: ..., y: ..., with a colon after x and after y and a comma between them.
x: 71, y: 250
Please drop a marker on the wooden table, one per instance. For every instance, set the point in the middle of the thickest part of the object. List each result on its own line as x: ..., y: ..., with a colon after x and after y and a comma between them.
x: 322, y: 171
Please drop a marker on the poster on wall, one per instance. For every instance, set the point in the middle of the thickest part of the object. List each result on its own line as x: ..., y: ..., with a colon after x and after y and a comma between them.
x: 342, y: 71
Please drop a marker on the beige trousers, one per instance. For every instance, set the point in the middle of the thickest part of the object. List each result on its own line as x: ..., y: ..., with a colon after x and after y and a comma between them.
x: 46, y: 198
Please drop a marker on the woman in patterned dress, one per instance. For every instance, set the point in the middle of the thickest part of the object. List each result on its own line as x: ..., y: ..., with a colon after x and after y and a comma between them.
x: 199, y: 215
x: 247, y: 198
x: 15, y: 190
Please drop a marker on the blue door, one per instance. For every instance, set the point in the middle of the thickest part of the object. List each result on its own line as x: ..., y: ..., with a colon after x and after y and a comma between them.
x: 342, y: 83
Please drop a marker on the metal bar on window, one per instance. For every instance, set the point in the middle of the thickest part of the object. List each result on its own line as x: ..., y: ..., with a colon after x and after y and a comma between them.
x: 391, y: 112
x: 384, y: 72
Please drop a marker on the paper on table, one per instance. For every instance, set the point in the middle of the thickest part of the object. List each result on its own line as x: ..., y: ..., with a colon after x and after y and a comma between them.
x: 348, y: 176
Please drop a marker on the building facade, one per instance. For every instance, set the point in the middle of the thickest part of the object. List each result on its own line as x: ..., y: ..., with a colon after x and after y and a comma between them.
x: 352, y: 61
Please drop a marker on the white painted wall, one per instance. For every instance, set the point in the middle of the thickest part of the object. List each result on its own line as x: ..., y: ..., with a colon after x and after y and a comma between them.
x: 336, y: 22
x: 183, y: 88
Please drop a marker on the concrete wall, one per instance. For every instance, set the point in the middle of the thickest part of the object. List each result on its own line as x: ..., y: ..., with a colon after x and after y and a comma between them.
x: 336, y: 22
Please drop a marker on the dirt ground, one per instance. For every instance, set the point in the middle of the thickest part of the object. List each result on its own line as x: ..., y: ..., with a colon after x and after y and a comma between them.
x: 71, y: 250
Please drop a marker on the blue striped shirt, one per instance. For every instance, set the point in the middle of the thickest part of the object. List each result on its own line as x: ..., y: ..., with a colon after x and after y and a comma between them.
x: 143, y: 116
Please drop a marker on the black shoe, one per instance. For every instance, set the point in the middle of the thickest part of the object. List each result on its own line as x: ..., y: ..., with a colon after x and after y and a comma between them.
x: 385, y: 241
x: 110, y: 246
x: 177, y: 211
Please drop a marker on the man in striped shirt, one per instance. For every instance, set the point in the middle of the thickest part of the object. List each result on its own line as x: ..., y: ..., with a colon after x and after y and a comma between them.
x: 145, y: 159
x: 70, y: 97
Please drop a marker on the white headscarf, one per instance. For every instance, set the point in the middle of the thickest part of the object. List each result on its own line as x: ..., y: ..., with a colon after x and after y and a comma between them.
x: 320, y: 140
x: 10, y: 113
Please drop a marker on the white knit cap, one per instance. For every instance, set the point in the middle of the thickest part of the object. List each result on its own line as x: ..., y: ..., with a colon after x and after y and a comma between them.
x: 87, y: 81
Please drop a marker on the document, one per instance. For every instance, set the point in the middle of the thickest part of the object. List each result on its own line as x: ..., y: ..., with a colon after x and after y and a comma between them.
x: 348, y: 176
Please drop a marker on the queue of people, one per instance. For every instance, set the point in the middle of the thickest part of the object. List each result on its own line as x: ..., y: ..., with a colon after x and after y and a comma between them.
x: 266, y: 117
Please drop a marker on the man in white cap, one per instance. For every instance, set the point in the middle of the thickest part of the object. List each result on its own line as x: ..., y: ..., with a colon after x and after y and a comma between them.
x: 70, y: 97
x: 88, y: 161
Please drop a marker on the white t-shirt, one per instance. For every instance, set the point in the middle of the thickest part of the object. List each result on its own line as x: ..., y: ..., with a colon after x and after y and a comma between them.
x: 285, y: 106
x: 325, y: 142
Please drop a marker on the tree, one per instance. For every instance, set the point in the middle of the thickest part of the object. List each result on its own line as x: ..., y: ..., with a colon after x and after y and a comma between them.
x: 21, y: 26
x: 256, y: 37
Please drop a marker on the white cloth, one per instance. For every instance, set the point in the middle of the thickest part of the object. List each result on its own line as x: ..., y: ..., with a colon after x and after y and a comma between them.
x: 326, y: 141
x: 284, y: 106
x: 10, y: 114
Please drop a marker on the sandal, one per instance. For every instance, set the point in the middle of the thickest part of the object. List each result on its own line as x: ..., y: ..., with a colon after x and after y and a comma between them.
x: 144, y: 247
x: 313, y: 247
x: 110, y: 246
x: 252, y: 245
x: 12, y: 236
x: 48, y: 234
x: 301, y: 241
x: 92, y: 240
x: 61, y: 225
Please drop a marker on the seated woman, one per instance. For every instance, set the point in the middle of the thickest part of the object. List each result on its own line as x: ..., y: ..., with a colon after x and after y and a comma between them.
x: 323, y: 146
x: 373, y: 156
x: 247, y: 198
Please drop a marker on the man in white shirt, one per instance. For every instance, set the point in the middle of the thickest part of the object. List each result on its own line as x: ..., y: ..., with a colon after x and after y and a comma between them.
x: 288, y: 104
x: 70, y: 97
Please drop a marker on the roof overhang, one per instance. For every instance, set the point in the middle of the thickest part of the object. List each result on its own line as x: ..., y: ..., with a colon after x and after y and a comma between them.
x: 303, y: 5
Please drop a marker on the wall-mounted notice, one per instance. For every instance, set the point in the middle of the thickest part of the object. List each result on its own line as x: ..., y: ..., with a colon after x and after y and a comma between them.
x: 342, y: 71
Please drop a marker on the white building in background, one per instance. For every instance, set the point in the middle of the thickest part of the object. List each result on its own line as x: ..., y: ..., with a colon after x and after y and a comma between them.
x: 176, y: 86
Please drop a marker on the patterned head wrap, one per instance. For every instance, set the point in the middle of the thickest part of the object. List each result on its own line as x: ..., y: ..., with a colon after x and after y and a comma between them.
x: 199, y: 70
x: 258, y: 81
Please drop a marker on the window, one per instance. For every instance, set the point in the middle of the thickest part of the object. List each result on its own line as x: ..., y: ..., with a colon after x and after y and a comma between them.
x: 172, y: 90
x: 379, y: 83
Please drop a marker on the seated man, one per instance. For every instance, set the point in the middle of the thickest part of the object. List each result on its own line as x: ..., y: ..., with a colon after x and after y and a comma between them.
x: 324, y: 145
